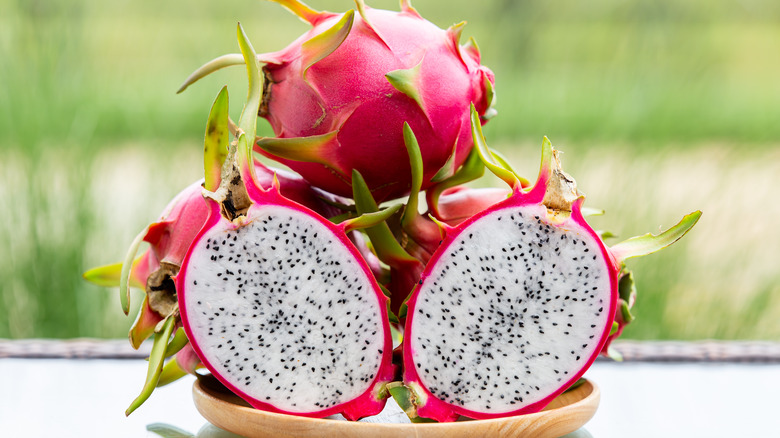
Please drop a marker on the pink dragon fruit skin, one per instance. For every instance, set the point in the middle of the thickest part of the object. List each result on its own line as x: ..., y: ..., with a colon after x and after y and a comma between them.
x: 348, y: 99
x: 623, y: 316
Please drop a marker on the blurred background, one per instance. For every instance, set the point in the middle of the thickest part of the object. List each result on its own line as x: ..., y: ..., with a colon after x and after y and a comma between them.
x: 662, y: 107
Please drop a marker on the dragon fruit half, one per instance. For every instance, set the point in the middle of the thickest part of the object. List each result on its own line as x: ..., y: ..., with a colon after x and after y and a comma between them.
x: 277, y: 301
x: 516, y: 302
x: 337, y: 97
x: 169, y: 238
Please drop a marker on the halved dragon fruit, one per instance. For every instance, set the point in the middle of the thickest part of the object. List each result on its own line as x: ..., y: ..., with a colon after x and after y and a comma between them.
x: 277, y: 301
x: 516, y: 302
x: 337, y: 97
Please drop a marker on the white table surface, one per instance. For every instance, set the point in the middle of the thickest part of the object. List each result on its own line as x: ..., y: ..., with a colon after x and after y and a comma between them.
x: 87, y: 398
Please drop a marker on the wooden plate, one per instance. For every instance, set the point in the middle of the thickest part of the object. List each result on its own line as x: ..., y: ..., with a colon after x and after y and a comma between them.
x: 567, y: 413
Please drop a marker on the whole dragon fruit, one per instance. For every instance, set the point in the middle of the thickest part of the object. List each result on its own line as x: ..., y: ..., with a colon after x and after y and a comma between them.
x: 277, y: 301
x: 516, y: 302
x: 338, y: 96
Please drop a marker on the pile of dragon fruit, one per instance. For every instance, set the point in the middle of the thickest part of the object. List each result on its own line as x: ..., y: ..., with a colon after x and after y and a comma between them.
x: 372, y: 271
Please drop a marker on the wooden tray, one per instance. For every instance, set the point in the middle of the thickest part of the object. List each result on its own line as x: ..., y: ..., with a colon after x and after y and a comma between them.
x: 567, y: 413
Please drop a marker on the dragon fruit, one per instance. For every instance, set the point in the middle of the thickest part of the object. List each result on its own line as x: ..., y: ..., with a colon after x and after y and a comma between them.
x: 169, y: 238
x: 338, y: 96
x: 517, y: 301
x: 277, y: 301
x: 513, y: 294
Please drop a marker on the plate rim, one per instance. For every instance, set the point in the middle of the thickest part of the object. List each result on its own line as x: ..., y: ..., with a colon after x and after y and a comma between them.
x: 207, y: 403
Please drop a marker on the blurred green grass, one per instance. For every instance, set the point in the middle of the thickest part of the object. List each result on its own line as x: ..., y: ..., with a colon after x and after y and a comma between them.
x: 95, y: 141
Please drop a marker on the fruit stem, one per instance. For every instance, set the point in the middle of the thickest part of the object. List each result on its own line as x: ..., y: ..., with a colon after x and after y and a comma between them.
x: 560, y: 189
x: 238, y: 169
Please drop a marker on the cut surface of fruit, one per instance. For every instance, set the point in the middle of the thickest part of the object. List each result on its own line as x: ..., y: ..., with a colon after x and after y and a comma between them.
x: 283, y: 312
x: 509, y: 311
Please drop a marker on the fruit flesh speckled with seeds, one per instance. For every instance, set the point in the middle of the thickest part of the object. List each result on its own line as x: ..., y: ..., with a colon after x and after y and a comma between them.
x: 311, y: 339
x: 507, y: 310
